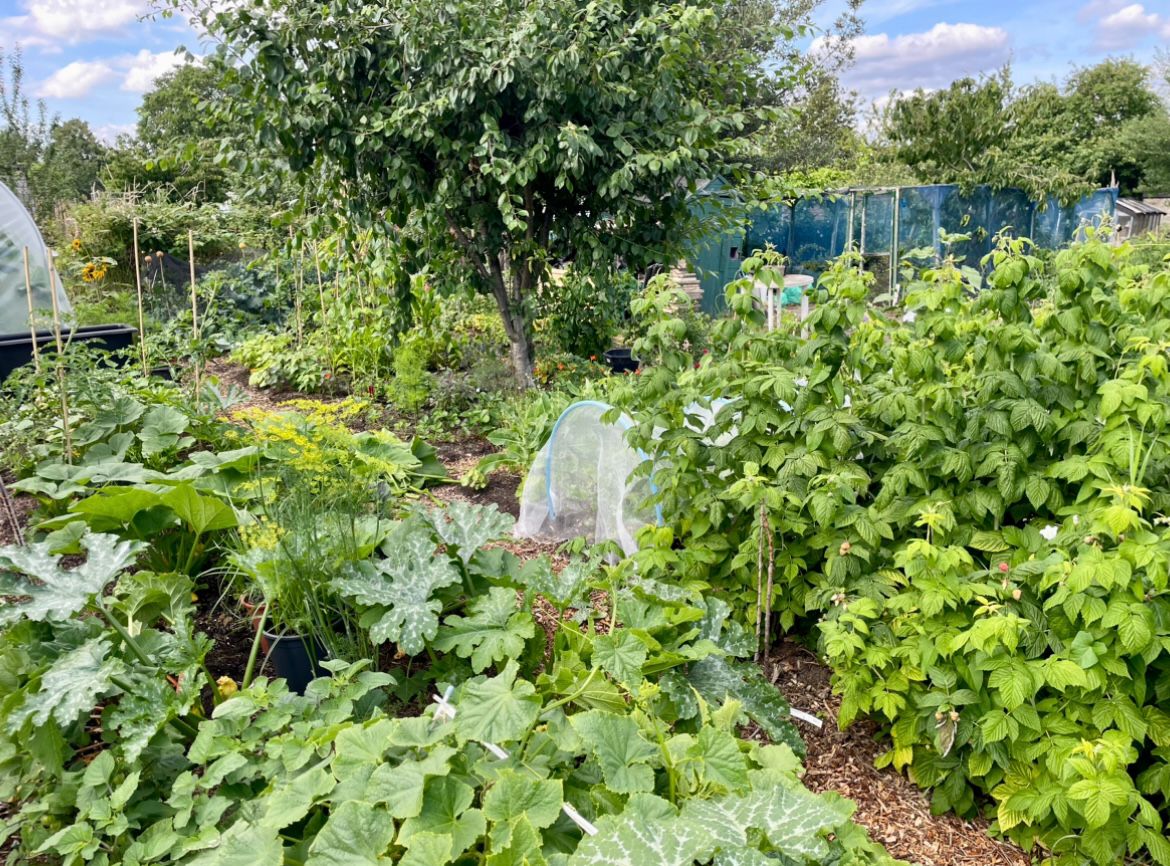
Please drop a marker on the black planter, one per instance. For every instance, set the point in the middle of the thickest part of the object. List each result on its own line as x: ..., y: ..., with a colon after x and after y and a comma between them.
x: 297, y: 659
x: 16, y: 349
x: 621, y: 360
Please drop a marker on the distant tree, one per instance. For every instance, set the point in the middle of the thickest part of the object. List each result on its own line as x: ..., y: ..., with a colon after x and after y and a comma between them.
x: 179, y: 134
x: 71, y: 164
x: 24, y: 133
x: 1105, y: 122
x: 516, y: 132
x: 815, y: 128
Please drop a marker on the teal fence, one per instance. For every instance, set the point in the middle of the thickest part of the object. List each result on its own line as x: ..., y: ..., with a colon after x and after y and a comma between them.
x: 884, y: 224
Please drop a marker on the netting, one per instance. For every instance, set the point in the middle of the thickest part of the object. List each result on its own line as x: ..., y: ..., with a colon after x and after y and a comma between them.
x: 884, y: 225
x: 18, y: 232
x: 580, y: 485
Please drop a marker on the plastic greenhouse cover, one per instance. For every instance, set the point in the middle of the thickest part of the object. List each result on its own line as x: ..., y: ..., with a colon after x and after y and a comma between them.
x: 18, y: 231
x: 580, y: 483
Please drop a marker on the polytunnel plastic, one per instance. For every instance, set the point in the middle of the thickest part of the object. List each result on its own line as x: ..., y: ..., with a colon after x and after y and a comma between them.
x: 18, y: 232
x: 580, y: 485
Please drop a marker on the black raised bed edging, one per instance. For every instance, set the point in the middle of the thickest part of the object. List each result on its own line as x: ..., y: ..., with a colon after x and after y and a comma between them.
x: 16, y: 349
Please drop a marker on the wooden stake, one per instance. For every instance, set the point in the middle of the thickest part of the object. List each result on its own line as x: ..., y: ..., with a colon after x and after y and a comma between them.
x: 141, y: 312
x: 32, y: 325
x: 298, y: 288
x: 60, y: 361
x: 194, y: 303
x: 198, y: 359
x: 320, y: 283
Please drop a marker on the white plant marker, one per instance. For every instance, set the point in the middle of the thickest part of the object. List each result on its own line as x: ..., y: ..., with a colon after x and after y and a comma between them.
x: 806, y: 717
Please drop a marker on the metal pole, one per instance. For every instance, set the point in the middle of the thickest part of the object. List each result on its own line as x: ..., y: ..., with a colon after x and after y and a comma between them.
x: 894, y: 244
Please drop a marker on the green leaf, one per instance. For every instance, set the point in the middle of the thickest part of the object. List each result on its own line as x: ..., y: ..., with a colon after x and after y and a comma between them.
x: 73, y: 685
x: 161, y: 429
x: 793, y: 818
x: 243, y: 844
x: 621, y: 751
x: 465, y: 527
x: 115, y: 507
x: 446, y: 812
x: 495, y: 631
x: 497, y: 710
x: 719, y: 759
x: 428, y: 849
x: 621, y: 655
x: 515, y: 793
x: 646, y: 832
x: 356, y: 834
x: 401, y: 786
x: 59, y: 593
x: 200, y: 513
x: 292, y: 799
x: 717, y: 679
x: 401, y: 590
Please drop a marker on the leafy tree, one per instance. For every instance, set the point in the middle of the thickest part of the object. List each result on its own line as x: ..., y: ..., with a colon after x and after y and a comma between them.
x: 1106, y: 122
x: 177, y: 139
x: 25, y: 130
x: 71, y: 163
x: 513, y: 132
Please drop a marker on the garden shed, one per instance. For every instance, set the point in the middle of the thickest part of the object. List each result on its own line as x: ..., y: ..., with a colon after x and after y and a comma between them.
x: 1136, y: 217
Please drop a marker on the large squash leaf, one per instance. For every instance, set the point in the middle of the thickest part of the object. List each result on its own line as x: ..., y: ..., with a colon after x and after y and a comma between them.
x: 465, y: 528
x: 717, y: 678
x: 494, y: 631
x: 401, y: 589
x: 498, y: 709
x: 55, y: 594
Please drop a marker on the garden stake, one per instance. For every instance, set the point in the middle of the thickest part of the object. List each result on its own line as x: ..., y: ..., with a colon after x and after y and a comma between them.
x: 760, y: 579
x: 141, y: 313
x: 60, y: 361
x: 10, y: 511
x: 320, y: 283
x: 32, y: 326
x: 300, y: 290
x: 321, y: 298
x: 194, y: 310
x: 768, y: 600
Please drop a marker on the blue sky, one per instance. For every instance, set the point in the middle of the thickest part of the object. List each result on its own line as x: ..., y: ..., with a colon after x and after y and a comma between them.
x: 94, y: 58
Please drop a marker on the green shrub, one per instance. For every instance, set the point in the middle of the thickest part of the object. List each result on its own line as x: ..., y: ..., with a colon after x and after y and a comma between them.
x: 970, y: 504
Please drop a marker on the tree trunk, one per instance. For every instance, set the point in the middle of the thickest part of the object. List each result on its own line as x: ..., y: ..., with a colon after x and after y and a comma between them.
x: 520, y: 336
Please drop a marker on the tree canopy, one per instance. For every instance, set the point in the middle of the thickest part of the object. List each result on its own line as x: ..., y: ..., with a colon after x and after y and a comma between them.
x: 1105, y: 122
x: 515, y: 132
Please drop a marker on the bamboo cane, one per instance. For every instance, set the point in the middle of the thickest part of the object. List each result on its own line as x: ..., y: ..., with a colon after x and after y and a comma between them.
x: 198, y: 359
x: 60, y: 361
x: 10, y: 510
x: 141, y: 312
x: 32, y: 325
x: 194, y: 302
x: 298, y: 288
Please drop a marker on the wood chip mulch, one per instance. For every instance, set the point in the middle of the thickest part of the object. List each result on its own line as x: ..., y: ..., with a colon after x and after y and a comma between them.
x: 890, y: 806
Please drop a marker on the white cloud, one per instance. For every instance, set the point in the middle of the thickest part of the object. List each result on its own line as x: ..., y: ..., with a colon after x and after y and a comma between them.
x: 76, y: 20
x: 145, y: 66
x: 109, y: 132
x: 75, y: 80
x: 925, y: 60
x: 1128, y: 27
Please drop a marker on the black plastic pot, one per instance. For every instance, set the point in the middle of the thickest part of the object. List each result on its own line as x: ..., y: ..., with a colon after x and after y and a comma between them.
x: 621, y: 360
x: 296, y: 658
x: 16, y: 350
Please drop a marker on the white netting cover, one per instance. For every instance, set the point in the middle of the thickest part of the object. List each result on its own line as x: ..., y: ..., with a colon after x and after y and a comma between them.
x: 580, y: 486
